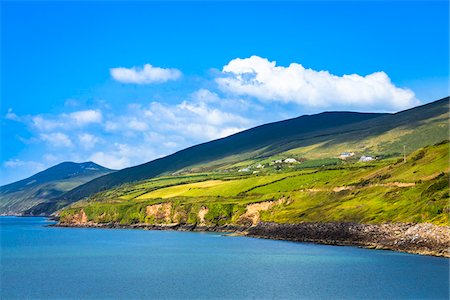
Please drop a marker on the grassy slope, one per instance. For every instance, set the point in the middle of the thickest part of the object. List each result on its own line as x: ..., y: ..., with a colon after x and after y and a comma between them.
x: 238, y: 146
x: 369, y: 193
x: 318, y: 136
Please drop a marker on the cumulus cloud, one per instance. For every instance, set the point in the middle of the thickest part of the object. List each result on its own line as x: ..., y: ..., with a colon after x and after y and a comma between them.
x: 148, y: 74
x: 10, y: 115
x: 65, y: 121
x: 205, y: 96
x: 85, y: 117
x: 109, y: 160
x: 42, y: 123
x: 88, y: 141
x: 195, y: 119
x: 212, y: 116
x: 57, y: 139
x: 15, y: 163
x: 199, y: 118
x: 137, y: 125
x: 263, y: 79
x: 122, y: 156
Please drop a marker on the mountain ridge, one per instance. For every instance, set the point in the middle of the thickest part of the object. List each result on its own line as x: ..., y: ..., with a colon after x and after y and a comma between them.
x: 18, y: 196
x: 327, y: 129
x: 110, y: 180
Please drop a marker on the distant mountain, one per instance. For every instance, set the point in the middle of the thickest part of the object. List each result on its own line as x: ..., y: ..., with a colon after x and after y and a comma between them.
x: 19, y: 196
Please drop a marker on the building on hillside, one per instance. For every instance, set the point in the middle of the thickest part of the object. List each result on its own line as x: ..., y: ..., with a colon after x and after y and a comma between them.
x: 366, y: 158
x: 290, y: 160
x: 244, y: 170
x: 345, y: 155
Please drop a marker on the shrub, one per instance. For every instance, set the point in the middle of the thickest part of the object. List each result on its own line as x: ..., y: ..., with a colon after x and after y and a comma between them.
x: 219, y: 214
x: 419, y: 155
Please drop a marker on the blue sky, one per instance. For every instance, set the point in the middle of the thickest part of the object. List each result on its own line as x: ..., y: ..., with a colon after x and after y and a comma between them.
x: 74, y: 85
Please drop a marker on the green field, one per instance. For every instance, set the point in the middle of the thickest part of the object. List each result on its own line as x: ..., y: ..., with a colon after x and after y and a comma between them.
x: 384, y: 190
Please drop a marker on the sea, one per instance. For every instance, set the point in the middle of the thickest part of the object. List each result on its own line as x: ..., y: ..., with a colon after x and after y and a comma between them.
x: 39, y: 261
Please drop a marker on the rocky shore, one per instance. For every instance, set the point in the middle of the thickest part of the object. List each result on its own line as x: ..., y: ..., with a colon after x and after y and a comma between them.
x: 423, y: 238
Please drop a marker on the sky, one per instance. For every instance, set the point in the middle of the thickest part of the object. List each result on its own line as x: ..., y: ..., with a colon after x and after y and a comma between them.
x: 122, y: 83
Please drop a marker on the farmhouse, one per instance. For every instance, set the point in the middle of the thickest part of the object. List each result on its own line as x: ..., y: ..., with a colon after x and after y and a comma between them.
x: 290, y: 160
x: 345, y: 155
x: 366, y: 158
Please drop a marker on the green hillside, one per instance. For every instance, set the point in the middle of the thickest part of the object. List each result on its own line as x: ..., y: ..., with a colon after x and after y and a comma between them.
x: 17, y: 197
x: 312, y: 137
x: 382, y: 190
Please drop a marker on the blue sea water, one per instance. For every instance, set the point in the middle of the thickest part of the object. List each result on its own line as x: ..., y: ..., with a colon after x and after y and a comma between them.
x: 75, y: 263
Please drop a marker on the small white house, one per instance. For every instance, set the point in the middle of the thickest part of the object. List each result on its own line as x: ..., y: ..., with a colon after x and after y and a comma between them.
x: 259, y: 166
x: 366, y: 158
x: 279, y: 161
x: 290, y: 160
x: 345, y: 155
x: 244, y: 170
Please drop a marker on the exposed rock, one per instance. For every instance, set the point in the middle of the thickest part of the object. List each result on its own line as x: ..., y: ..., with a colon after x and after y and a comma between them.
x: 201, y: 215
x: 79, y: 218
x: 252, y: 213
x: 160, y: 212
x: 423, y: 238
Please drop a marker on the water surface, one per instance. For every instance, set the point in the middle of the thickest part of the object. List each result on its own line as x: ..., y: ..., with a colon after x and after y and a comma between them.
x: 50, y: 262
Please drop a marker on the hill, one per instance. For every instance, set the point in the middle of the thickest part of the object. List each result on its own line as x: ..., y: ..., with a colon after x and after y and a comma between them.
x: 17, y: 197
x: 310, y: 137
x: 379, y: 191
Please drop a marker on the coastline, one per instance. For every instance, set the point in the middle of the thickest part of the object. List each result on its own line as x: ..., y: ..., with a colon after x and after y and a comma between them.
x: 421, y: 238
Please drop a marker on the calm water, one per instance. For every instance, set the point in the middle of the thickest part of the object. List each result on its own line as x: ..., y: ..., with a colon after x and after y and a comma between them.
x: 47, y: 262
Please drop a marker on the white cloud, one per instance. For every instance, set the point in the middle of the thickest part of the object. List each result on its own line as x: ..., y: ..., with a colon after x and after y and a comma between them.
x: 10, y: 115
x: 66, y: 121
x: 51, y: 158
x: 17, y: 163
x: 208, y: 132
x: 88, y: 141
x: 137, y: 125
x: 260, y: 78
x: 44, y: 124
x: 209, y: 115
x: 205, y: 96
x: 195, y: 120
x: 170, y: 144
x: 111, y: 126
x: 123, y: 155
x: 57, y: 139
x: 146, y: 75
x: 85, y: 117
x: 111, y: 161
x: 198, y: 119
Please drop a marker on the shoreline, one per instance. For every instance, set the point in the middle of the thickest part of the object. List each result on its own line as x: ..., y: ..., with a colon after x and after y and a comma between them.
x: 420, y: 238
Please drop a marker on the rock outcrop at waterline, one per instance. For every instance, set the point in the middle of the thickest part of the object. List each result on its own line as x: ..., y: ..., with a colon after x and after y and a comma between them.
x: 424, y: 238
